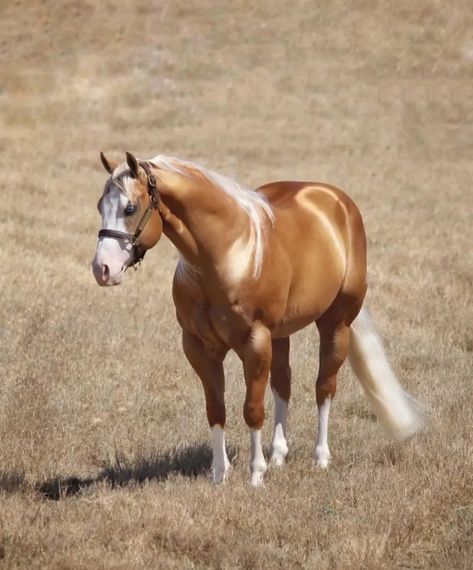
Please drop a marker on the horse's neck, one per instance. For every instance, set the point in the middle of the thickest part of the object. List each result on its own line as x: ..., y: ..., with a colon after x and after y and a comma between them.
x: 201, y: 220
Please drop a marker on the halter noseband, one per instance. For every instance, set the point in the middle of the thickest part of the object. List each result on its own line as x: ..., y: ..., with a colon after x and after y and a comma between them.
x: 153, y: 204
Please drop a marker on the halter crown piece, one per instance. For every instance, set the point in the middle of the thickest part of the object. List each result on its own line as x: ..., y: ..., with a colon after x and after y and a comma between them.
x: 153, y: 204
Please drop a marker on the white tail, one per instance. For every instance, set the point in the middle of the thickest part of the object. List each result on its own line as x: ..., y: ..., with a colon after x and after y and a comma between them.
x: 398, y: 412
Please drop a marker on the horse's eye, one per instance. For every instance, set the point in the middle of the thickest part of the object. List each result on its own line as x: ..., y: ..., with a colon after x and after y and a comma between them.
x: 130, y: 209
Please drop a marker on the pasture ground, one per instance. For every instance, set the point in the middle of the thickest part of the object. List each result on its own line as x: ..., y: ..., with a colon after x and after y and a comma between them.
x: 103, y: 438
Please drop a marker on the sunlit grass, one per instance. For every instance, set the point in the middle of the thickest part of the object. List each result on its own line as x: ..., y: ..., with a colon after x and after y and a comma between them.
x: 104, y: 451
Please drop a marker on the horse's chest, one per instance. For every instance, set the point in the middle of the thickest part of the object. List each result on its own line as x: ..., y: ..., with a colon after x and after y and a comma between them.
x: 219, y: 325
x: 229, y: 323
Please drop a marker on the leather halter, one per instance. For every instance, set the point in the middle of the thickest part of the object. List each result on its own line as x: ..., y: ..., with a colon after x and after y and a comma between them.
x: 153, y: 204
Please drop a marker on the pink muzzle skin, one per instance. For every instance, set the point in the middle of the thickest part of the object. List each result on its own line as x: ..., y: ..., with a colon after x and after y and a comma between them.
x: 111, y: 260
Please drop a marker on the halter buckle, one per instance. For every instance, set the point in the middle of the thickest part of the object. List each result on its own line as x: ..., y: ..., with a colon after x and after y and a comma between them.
x: 152, y: 190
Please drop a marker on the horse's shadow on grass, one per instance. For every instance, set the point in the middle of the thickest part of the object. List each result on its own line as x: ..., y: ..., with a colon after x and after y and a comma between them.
x: 12, y: 482
x: 191, y: 461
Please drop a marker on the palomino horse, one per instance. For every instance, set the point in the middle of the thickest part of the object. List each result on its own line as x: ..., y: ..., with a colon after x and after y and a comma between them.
x: 254, y: 268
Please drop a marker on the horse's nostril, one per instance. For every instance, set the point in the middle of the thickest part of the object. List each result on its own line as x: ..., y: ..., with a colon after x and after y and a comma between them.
x: 105, y: 272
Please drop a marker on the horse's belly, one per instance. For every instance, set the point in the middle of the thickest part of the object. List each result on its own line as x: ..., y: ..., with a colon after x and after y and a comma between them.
x: 309, y: 297
x: 286, y: 328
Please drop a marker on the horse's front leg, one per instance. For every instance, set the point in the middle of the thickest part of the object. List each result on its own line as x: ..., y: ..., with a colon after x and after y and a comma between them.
x: 256, y: 356
x: 209, y: 368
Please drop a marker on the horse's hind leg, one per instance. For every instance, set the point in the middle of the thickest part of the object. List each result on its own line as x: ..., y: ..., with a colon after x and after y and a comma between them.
x: 210, y: 372
x: 281, y: 387
x: 334, y: 342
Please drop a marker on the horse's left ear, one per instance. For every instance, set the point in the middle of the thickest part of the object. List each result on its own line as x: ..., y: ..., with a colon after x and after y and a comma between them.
x: 132, y: 164
x: 109, y: 165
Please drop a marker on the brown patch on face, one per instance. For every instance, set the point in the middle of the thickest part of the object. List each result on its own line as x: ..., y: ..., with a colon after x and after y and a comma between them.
x: 138, y: 195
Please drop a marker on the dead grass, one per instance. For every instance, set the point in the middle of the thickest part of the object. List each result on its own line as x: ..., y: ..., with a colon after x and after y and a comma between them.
x: 103, y: 437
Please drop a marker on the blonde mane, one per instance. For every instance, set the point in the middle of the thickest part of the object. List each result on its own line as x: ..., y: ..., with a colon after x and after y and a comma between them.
x: 254, y: 204
x: 121, y: 178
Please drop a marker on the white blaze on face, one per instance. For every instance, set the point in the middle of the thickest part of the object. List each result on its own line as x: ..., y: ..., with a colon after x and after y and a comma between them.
x: 113, y: 255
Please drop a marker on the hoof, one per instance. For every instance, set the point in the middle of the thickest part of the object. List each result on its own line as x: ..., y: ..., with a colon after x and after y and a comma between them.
x: 257, y: 479
x: 277, y: 460
x: 278, y: 455
x: 219, y: 477
x: 220, y: 473
x: 258, y: 469
x: 322, y: 457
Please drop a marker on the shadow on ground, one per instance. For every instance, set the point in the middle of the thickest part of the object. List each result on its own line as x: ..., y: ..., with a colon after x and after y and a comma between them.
x: 12, y: 482
x: 192, y: 461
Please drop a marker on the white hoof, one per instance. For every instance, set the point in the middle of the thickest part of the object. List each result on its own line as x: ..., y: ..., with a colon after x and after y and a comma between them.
x: 257, y: 479
x: 322, y: 457
x: 219, y: 476
x: 278, y: 455
x: 220, y: 472
x: 277, y: 460
x: 258, y: 469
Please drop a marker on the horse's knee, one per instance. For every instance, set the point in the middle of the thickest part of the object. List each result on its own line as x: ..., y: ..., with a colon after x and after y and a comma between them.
x: 216, y: 415
x: 253, y: 414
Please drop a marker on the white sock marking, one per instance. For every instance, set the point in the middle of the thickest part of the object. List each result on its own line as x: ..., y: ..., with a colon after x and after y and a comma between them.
x: 322, y: 452
x: 258, y: 463
x: 279, y: 444
x: 220, y: 463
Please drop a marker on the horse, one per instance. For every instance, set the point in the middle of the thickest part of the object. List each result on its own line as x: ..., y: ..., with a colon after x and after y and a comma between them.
x: 255, y: 266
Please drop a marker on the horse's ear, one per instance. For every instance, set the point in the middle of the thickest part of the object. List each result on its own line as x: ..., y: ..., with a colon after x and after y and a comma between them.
x: 109, y: 165
x: 132, y: 164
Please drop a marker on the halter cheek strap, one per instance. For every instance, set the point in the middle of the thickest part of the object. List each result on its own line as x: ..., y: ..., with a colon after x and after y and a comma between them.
x: 153, y: 204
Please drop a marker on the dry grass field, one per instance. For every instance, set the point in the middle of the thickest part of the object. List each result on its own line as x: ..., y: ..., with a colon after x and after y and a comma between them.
x: 104, y: 456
